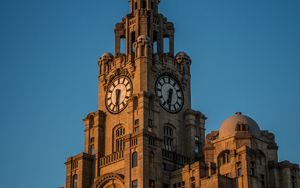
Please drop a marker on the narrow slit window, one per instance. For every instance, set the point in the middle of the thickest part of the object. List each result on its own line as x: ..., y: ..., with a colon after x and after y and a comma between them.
x: 123, y: 45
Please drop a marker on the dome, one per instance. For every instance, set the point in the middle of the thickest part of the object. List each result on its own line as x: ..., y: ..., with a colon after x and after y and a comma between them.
x: 182, y: 57
x: 107, y: 55
x: 236, y: 123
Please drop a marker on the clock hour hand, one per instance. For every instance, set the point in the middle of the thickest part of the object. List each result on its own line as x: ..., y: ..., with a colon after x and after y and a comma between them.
x: 170, y: 95
x: 118, y: 94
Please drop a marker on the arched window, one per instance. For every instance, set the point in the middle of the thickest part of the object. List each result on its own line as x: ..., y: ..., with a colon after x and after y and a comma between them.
x: 119, y: 137
x: 74, y: 181
x: 224, y: 157
x: 134, y: 159
x: 168, y: 138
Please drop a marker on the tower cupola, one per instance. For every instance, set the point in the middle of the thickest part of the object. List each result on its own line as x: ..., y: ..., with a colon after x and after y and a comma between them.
x: 143, y: 4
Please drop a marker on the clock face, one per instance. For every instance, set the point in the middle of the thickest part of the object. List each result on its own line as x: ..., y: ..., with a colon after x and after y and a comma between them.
x: 117, y: 94
x: 170, y: 94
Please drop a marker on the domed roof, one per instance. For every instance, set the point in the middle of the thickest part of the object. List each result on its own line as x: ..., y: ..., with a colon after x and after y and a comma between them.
x: 107, y: 55
x: 182, y: 57
x: 236, y: 123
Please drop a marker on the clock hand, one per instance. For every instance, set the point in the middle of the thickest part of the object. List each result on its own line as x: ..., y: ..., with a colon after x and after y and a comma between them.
x: 118, y: 94
x: 170, y: 95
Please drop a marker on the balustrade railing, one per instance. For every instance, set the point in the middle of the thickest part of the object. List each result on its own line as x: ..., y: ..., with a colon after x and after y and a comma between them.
x: 112, y: 158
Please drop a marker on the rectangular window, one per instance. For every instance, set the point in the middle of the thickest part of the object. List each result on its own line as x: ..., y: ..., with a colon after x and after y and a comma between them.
x: 134, y: 184
x: 136, y: 122
x: 251, y: 172
x: 262, y: 179
x: 92, y: 149
x: 166, y: 45
x: 150, y: 122
x: 144, y: 4
x: 122, y: 45
x: 151, y: 184
x: 239, y: 172
x: 183, y: 184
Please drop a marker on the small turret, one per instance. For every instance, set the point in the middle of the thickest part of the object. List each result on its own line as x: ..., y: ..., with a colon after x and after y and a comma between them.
x: 105, y: 63
x: 183, y: 62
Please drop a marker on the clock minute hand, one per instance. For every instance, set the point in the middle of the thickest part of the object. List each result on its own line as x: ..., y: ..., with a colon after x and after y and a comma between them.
x: 118, y: 94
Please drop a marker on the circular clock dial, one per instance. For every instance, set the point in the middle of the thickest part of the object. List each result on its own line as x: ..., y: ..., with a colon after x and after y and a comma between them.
x: 118, y: 93
x: 170, y: 94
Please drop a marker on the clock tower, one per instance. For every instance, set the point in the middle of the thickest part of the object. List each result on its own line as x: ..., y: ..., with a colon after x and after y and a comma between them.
x: 144, y: 128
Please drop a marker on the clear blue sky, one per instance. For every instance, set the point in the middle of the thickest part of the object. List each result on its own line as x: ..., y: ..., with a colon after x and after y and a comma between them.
x: 246, y: 57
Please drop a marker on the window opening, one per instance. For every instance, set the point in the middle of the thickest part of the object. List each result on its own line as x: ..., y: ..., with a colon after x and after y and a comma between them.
x: 144, y: 4
x: 75, y: 181
x: 155, y: 46
x: 134, y: 159
x: 132, y: 41
x: 119, y: 139
x: 262, y: 179
x: 134, y: 184
x: 168, y: 138
x: 166, y: 44
x: 122, y: 45
x: 151, y: 184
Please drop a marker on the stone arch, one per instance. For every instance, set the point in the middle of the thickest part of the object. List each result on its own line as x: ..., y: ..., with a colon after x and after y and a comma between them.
x: 223, y: 157
x: 110, y: 180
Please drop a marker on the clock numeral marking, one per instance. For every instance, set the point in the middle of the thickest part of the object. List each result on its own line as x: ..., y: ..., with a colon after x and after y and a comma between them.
x: 161, y: 81
x: 123, y: 104
x: 111, y: 104
x: 165, y: 80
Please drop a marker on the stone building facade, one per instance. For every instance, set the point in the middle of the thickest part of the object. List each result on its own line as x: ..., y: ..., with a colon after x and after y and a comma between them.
x: 145, y: 134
